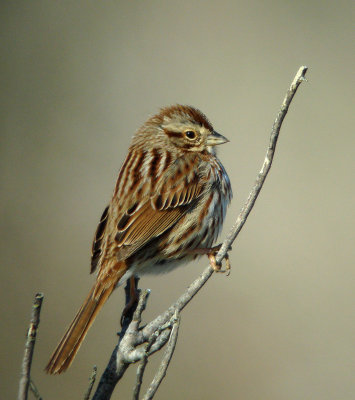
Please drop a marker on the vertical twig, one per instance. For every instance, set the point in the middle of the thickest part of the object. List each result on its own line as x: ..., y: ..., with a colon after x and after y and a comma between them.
x: 91, y: 383
x: 141, y: 366
x: 29, y: 347
x: 139, y: 377
x: 159, y: 376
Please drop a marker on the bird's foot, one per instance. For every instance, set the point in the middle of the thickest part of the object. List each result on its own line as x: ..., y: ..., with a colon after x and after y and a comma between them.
x: 217, y: 267
x: 211, y: 254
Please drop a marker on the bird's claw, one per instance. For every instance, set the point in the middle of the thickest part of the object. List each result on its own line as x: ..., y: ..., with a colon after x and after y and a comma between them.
x: 217, y: 267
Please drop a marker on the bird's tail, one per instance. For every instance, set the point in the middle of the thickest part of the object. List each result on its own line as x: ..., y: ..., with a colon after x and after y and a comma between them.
x: 67, y: 348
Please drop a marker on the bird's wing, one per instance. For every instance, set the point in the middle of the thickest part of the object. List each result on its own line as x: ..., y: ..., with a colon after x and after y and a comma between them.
x: 145, y: 206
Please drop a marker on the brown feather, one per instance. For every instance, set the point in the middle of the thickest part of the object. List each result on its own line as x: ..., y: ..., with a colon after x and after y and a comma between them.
x: 96, y: 245
x: 155, y: 212
x: 67, y: 348
x: 148, y: 225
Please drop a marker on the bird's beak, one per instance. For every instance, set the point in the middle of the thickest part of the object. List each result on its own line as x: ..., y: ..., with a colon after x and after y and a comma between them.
x: 216, y: 138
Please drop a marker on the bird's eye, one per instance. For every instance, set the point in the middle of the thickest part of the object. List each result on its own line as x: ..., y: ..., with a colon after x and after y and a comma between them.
x: 190, y: 134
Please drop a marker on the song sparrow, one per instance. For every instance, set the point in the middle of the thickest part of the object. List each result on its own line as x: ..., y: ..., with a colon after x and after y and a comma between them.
x: 167, y: 208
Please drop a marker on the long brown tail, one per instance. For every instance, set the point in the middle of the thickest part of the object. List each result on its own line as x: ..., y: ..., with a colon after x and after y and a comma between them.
x: 67, y: 348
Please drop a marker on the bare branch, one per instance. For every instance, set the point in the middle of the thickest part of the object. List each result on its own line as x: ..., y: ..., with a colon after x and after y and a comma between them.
x: 29, y: 347
x: 35, y: 391
x: 156, y: 342
x: 91, y: 383
x: 159, y: 376
x: 139, y: 377
x: 254, y: 193
x: 165, y: 326
x: 141, y: 368
x: 160, y: 341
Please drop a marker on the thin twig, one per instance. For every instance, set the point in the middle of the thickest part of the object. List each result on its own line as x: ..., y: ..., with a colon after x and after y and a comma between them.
x: 35, y: 391
x: 155, y: 343
x: 141, y: 368
x: 29, y: 347
x: 160, y: 374
x: 128, y: 351
x: 160, y: 341
x: 299, y: 77
x: 91, y: 383
x: 139, y: 377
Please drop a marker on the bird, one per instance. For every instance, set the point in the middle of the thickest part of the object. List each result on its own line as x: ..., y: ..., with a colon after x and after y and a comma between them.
x: 167, y: 208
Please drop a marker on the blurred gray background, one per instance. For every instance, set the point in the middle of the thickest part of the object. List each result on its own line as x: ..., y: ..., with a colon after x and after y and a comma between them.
x: 77, y: 79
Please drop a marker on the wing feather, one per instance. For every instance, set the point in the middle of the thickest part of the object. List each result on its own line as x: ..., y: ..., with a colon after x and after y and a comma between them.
x: 146, y: 227
x: 143, y: 209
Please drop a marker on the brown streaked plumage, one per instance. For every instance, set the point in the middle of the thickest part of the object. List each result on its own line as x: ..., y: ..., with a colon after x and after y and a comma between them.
x: 168, y: 207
